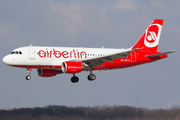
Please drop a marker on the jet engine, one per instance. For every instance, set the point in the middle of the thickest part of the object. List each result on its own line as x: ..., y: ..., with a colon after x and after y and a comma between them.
x: 48, y: 72
x: 73, y: 67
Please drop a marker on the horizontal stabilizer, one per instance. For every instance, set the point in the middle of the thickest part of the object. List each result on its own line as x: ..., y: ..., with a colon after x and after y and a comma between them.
x: 156, y: 55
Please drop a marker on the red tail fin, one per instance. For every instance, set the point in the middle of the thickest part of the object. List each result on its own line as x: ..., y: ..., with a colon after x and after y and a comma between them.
x: 150, y: 39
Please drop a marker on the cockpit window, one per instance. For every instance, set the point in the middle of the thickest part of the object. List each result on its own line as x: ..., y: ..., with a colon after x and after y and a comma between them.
x: 16, y: 52
x: 12, y: 52
x: 20, y: 52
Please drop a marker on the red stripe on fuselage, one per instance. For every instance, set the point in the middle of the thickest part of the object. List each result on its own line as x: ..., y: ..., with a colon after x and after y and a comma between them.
x: 37, y: 66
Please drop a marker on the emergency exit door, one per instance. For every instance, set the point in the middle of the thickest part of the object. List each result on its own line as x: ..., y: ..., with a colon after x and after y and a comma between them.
x: 133, y: 56
x: 31, y: 54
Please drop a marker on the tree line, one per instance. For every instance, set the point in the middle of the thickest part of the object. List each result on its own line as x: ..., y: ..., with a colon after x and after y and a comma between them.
x: 57, y: 112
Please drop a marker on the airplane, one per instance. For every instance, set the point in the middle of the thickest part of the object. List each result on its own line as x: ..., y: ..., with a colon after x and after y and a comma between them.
x: 50, y: 61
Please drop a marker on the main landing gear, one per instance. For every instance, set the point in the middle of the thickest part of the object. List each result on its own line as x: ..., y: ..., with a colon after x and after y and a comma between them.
x: 90, y: 77
x: 74, y: 79
x: 28, y: 77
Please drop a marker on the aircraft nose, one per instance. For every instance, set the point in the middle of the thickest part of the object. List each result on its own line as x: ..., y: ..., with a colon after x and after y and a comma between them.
x: 6, y: 60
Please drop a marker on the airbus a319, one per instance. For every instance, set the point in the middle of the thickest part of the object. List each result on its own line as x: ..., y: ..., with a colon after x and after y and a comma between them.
x: 50, y: 61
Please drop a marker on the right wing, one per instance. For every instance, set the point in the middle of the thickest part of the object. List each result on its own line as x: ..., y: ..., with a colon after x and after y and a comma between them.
x: 98, y: 61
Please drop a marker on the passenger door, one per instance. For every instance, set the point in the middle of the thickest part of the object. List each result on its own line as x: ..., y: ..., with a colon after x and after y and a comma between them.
x: 31, y: 54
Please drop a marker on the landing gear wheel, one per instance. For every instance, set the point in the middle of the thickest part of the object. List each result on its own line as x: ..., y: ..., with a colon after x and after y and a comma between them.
x: 91, y: 77
x: 28, y: 77
x: 74, y: 79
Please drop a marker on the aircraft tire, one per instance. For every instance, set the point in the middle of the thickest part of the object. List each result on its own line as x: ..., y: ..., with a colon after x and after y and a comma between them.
x: 28, y: 77
x: 74, y: 79
x: 91, y: 77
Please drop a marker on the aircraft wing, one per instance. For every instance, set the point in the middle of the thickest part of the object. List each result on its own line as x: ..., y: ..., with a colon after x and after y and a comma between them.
x: 99, y: 60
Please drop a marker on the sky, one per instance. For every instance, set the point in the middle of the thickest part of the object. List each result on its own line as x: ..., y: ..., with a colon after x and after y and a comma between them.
x: 90, y: 23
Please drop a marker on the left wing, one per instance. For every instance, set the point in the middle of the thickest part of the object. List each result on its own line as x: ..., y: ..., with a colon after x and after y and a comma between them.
x: 98, y: 61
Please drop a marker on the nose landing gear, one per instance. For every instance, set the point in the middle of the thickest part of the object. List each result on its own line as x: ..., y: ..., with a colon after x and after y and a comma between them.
x: 28, y: 77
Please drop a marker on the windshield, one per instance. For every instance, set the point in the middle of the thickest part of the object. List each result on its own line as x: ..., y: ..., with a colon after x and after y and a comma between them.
x: 16, y: 52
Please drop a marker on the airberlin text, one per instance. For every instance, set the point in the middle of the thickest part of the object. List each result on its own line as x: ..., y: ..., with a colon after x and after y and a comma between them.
x: 64, y: 54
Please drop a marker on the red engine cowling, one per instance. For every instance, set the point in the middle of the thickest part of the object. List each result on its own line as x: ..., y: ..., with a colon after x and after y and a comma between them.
x: 47, y: 72
x: 72, y: 67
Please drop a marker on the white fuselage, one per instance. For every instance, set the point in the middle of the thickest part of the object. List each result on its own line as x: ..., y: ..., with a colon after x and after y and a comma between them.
x: 36, y: 56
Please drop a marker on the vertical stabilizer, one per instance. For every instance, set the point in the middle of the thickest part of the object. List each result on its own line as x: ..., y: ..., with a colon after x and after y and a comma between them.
x: 150, y: 39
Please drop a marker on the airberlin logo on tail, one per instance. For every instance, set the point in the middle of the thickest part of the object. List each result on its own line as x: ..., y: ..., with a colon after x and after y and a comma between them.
x: 152, y: 35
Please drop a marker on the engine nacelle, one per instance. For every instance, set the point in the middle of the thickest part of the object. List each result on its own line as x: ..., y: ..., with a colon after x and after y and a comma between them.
x: 72, y: 67
x: 47, y: 72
